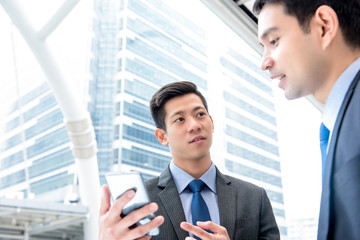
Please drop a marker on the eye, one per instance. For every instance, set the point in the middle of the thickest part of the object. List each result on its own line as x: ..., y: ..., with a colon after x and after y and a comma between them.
x: 180, y: 119
x: 274, y: 42
x: 200, y: 114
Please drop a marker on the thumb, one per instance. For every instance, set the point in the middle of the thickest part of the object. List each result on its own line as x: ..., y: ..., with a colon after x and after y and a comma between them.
x: 105, y: 200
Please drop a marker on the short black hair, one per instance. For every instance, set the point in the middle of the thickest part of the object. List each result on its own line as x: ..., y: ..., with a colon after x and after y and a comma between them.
x: 348, y: 13
x: 167, y: 92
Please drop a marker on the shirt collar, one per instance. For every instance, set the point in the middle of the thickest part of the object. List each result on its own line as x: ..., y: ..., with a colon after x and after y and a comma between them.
x: 182, y: 178
x: 337, y: 94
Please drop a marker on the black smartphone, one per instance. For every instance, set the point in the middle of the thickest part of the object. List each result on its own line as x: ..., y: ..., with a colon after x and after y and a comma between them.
x: 119, y: 183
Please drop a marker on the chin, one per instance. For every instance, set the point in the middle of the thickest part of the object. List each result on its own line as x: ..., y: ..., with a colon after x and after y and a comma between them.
x: 291, y: 95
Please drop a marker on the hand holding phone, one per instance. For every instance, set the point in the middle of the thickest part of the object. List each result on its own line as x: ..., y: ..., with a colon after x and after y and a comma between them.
x: 119, y: 183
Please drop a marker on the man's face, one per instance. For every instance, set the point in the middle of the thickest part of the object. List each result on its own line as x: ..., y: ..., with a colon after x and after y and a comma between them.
x: 293, y: 57
x: 189, y: 128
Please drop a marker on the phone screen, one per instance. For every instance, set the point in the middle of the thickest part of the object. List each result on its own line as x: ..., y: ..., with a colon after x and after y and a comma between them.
x: 121, y: 182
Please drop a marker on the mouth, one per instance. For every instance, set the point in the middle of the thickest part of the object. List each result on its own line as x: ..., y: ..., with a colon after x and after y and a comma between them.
x: 281, y: 77
x: 197, y: 139
x: 278, y: 77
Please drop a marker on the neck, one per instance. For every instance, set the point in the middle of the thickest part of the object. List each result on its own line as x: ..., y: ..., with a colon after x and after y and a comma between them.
x: 195, y: 168
x: 342, y: 59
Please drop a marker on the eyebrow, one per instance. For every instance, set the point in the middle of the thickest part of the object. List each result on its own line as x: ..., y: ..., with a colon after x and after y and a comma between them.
x: 182, y: 112
x: 267, y: 32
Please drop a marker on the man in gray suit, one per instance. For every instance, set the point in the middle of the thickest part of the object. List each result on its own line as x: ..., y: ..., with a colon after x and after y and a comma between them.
x: 313, y: 47
x: 238, y: 209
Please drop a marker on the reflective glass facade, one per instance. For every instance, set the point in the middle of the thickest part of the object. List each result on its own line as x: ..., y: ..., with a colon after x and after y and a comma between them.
x: 35, y: 154
x: 138, y: 46
x: 149, y: 43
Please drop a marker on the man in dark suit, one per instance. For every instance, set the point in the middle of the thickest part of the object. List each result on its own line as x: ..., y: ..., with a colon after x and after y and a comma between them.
x: 313, y: 47
x: 237, y: 209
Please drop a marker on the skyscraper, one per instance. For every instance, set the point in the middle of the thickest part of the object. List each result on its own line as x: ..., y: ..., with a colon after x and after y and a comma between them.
x: 140, y: 45
x: 302, y: 229
x: 35, y: 157
x: 35, y: 150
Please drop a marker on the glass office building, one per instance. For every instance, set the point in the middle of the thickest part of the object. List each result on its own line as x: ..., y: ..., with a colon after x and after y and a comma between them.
x: 140, y: 45
x: 302, y: 229
x: 36, y: 158
x: 136, y: 47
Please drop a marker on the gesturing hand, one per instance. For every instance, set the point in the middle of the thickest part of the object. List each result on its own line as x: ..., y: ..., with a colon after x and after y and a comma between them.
x: 219, y: 232
x: 114, y: 227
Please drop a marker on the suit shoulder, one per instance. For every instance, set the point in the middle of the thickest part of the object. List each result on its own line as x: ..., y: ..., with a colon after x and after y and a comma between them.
x: 243, y: 185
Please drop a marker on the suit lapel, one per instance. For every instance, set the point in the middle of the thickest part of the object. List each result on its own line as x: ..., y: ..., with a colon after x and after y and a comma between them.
x: 324, y: 218
x: 227, y: 203
x: 169, y: 197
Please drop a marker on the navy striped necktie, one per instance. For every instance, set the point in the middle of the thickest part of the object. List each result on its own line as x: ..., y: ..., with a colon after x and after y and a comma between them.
x: 199, y: 209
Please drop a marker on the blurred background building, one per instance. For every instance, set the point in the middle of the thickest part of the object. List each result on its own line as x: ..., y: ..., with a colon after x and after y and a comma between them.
x: 139, y: 46
x: 136, y: 46
x: 302, y: 229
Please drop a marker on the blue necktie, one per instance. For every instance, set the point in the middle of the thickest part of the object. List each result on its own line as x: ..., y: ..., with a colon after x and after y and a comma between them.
x: 199, y: 210
x: 324, y: 138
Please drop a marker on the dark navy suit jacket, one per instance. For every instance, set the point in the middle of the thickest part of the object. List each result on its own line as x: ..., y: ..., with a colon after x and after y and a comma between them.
x: 340, y: 200
x: 245, y: 210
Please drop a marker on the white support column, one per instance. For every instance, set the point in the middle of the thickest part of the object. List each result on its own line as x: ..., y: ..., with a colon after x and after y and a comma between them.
x: 77, y: 119
x: 83, y: 141
x: 26, y: 232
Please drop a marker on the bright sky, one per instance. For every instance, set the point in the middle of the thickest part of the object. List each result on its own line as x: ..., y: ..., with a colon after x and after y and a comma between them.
x: 298, y: 120
x: 298, y: 124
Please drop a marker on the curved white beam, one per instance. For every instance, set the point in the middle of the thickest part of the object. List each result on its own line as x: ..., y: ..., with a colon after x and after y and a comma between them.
x: 77, y: 119
x: 57, y: 18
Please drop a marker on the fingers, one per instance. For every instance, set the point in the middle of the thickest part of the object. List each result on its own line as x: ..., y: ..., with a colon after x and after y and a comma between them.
x: 186, y: 226
x: 117, y: 207
x: 201, y: 233
x: 137, y: 215
x: 217, y: 229
x: 105, y: 200
x: 144, y: 238
x: 113, y: 226
x: 141, y: 230
x: 156, y: 222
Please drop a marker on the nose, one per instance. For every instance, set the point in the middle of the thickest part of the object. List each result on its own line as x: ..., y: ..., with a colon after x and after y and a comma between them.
x: 266, y: 62
x: 194, y: 125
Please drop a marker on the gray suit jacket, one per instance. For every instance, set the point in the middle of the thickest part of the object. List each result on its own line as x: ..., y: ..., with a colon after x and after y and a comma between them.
x: 245, y: 210
x: 340, y: 199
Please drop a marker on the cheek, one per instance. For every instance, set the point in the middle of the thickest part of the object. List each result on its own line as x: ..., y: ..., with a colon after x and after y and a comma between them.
x: 282, y: 58
x: 286, y: 55
x: 310, y: 64
x: 292, y: 51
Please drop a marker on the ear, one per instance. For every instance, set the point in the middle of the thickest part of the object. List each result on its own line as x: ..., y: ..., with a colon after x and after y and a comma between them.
x: 328, y: 23
x: 161, y: 136
x: 212, y: 122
